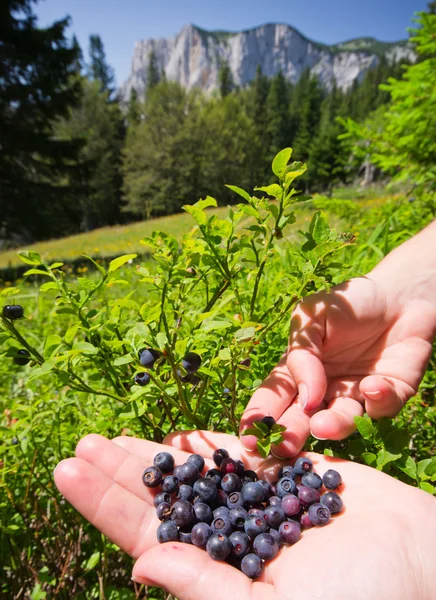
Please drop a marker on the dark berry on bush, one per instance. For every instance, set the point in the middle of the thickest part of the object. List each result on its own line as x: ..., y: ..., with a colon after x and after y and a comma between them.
x: 188, y: 473
x: 286, y: 485
x: 265, y: 546
x: 219, y: 455
x: 14, y: 441
x: 185, y: 536
x: 268, y: 421
x: 253, y: 492
x: 249, y: 476
x: 333, y: 502
x: 308, y: 496
x: 170, y: 484
x: 191, y: 362
x: 205, y: 489
x: 222, y: 525
x: 231, y: 483
x: 274, y: 515
x: 203, y: 512
x: 319, y: 514
x: 148, y: 357
x: 161, y: 497
x: 215, y: 475
x: 152, y: 477
x: 275, y: 501
x: 240, y: 543
x: 167, y: 532
x: 185, y: 492
x: 246, y: 362
x: 13, y: 311
x: 305, y: 521
x: 331, y: 479
x: 197, y: 461
x: 200, y: 533
x: 254, y: 525
x: 218, y: 546
x: 235, y: 500
x: 164, y: 461
x: 291, y: 505
x: 312, y: 480
x: 163, y: 511
x: 226, y: 392
x: 290, y: 532
x: 22, y: 358
x: 228, y: 465
x: 221, y: 511
x: 287, y: 471
x: 303, y: 465
x: 142, y: 379
x: 237, y: 517
x: 183, y: 513
x: 252, y: 566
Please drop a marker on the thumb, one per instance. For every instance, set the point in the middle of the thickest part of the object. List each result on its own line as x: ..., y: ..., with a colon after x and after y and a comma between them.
x: 188, y: 573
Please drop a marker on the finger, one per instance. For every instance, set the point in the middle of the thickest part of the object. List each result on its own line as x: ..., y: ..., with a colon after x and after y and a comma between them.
x: 384, y: 398
x: 272, y: 398
x: 337, y: 421
x: 297, y: 423
x: 127, y: 520
x: 304, y: 359
x: 189, y: 573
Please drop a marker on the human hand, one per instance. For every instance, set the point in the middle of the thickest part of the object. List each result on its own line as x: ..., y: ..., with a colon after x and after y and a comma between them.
x: 353, y: 349
x: 380, y: 547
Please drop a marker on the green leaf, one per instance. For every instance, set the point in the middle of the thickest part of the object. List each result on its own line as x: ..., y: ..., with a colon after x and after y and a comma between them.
x: 30, y: 257
x: 430, y: 469
x: 272, y: 190
x: 197, y: 209
x: 99, y: 267
x: 422, y: 467
x: 319, y: 228
x: 9, y: 291
x: 71, y: 332
x: 225, y: 354
x: 135, y: 411
x: 276, y: 438
x: 245, y: 333
x: 92, y: 561
x: 384, y: 457
x: 427, y: 487
x: 85, y: 347
x: 55, y: 265
x: 263, y: 447
x: 50, y: 285
x: 262, y: 427
x: 293, y: 171
x: 328, y: 452
x: 215, y: 325
x: 397, y: 440
x: 161, y: 340
x: 250, y: 210
x: 278, y: 428
x: 120, y: 261
x: 280, y: 162
x: 51, y: 343
x: 365, y: 427
x: 408, y: 466
x: 123, y: 360
x: 369, y: 457
x: 239, y: 191
x: 36, y: 272
x: 252, y: 431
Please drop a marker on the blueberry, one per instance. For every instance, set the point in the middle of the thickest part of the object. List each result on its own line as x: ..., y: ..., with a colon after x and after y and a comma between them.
x: 265, y: 546
x: 240, y: 543
x: 286, y: 485
x: 13, y: 311
x: 163, y: 511
x: 191, y: 362
x: 197, y: 461
x: 237, y: 517
x: 147, y: 357
x: 226, y: 392
x: 152, y: 477
x: 267, y: 492
x: 221, y: 511
x: 164, y: 461
x: 183, y: 513
x: 142, y: 379
x: 319, y: 514
x: 246, y: 362
x: 222, y: 525
x: 249, y: 476
x: 276, y: 535
x: 240, y: 468
x: 333, y: 502
x: 303, y: 465
x: 203, y: 512
x: 215, y: 475
x: 235, y: 500
x: 305, y: 521
x: 256, y: 511
x: 287, y: 471
x: 161, y: 497
x: 231, y: 483
x: 291, y: 505
x: 188, y: 473
x: 219, y: 455
x: 290, y: 532
x: 312, y: 480
x: 167, y: 532
x: 268, y: 421
x: 170, y: 484
x: 274, y: 515
x: 176, y: 471
x: 254, y: 525
x: 14, y: 441
x: 221, y: 499
x: 185, y: 492
x: 275, y: 501
x: 200, y: 533
x: 252, y: 566
x: 308, y: 496
x: 185, y: 536
x: 218, y: 546
x: 331, y: 479
x: 228, y: 465
x: 22, y: 358
x: 253, y: 492
x: 205, y: 489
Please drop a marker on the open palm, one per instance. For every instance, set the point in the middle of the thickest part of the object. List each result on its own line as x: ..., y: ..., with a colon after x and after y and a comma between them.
x: 380, y: 547
x: 350, y: 350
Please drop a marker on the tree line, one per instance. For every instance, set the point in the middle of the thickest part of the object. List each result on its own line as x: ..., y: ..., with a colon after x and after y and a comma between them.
x: 73, y: 158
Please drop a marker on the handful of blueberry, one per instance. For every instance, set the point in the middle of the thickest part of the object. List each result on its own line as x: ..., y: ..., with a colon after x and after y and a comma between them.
x: 234, y: 515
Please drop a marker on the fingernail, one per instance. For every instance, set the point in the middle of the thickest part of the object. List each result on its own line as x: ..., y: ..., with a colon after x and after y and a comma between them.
x: 140, y: 580
x: 303, y: 395
x: 373, y: 395
x: 318, y: 438
x: 277, y: 456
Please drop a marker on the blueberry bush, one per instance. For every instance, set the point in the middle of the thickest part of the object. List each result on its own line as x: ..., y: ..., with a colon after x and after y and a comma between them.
x: 144, y: 347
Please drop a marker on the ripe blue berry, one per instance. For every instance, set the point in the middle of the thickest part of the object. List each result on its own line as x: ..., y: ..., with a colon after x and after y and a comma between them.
x: 164, y: 461
x: 152, y: 477
x: 303, y: 465
x: 200, y: 533
x: 319, y: 514
x: 240, y: 543
x: 305, y: 521
x: 203, y: 512
x: 286, y: 485
x: 276, y: 535
x: 331, y: 479
x: 161, y: 497
x: 291, y: 505
x: 228, y: 465
x: 256, y: 510
x: 206, y: 490
x: 183, y: 513
x: 312, y: 480
x: 253, y: 492
x: 13, y: 311
x: 222, y: 525
x: 237, y: 517
x: 268, y: 421
x: 218, y: 546
x: 22, y: 358
x: 252, y: 566
x: 197, y: 461
x: 191, y: 362
x: 231, y: 483
x: 287, y: 471
x: 308, y: 496
x: 333, y: 502
x: 167, y: 532
x: 221, y: 499
x: 219, y: 455
x: 246, y: 362
x: 274, y: 515
x: 254, y: 525
x: 163, y: 511
x: 226, y: 391
x: 290, y: 532
x: 170, y: 484
x: 142, y: 379
x: 148, y: 356
x: 221, y: 511
x: 275, y: 501
x: 185, y: 536
x: 265, y: 546
x: 267, y: 491
x: 248, y: 475
x: 185, y: 492
x: 235, y: 500
x: 188, y: 473
x: 215, y: 475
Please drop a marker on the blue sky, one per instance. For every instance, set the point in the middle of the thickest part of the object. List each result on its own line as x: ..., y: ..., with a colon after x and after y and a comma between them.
x: 121, y: 23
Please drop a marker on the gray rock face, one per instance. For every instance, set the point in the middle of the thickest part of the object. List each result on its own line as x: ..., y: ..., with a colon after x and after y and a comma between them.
x: 193, y: 57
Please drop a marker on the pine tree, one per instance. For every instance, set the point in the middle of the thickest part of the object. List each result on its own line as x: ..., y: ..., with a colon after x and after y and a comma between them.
x: 98, y: 68
x: 153, y: 75
x: 133, y: 108
x: 225, y: 80
x: 277, y: 116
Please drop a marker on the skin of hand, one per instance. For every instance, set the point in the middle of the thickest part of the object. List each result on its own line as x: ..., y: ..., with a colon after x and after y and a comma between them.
x: 380, y: 546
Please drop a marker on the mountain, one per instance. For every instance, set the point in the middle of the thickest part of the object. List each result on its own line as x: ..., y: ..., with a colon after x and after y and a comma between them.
x: 193, y: 57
